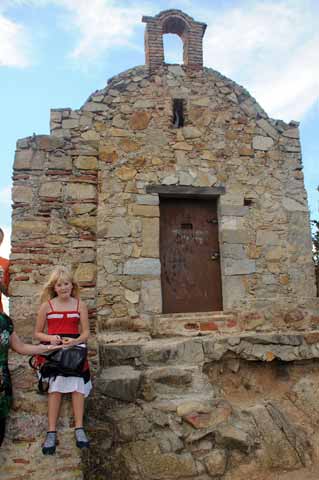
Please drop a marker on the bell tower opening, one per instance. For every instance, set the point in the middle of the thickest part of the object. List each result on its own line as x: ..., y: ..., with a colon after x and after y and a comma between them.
x: 173, y: 49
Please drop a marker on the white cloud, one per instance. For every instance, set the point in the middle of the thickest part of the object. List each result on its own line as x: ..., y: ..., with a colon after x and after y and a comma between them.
x: 272, y: 49
x: 5, y: 196
x: 5, y: 247
x: 14, y: 44
x: 98, y: 24
x: 101, y: 24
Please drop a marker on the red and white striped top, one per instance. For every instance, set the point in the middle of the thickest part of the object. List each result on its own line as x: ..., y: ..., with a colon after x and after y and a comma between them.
x: 63, y: 322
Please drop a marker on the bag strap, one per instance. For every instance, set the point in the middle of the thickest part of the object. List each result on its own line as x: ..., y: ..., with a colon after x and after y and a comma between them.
x: 41, y: 388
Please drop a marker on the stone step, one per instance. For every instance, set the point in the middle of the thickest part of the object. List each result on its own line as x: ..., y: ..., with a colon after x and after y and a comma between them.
x: 194, y: 324
x: 168, y: 382
x: 164, y: 351
x: 127, y: 383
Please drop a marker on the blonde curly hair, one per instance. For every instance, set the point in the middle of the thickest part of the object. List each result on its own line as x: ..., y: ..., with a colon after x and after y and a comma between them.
x: 59, y: 273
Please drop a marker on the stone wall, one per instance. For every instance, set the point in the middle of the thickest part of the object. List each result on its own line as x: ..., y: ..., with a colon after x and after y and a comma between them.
x: 54, y: 218
x: 80, y: 197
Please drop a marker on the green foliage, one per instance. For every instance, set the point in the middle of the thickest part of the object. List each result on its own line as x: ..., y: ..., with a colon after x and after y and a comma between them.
x: 315, y: 242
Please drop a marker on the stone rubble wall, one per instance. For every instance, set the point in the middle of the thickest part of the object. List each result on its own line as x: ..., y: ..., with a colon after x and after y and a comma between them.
x: 205, y: 408
x: 54, y: 220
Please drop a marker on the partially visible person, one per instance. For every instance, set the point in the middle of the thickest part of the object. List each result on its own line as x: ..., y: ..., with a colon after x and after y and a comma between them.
x: 8, y: 338
x: 4, y: 273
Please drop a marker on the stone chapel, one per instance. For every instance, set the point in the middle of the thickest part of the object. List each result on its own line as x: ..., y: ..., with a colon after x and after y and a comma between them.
x: 181, y: 207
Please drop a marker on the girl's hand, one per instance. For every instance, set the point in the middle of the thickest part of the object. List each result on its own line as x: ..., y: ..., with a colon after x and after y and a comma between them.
x: 68, y: 342
x: 55, y: 340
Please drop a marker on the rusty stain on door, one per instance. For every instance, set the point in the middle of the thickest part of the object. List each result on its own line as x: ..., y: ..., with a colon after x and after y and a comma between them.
x: 191, y: 280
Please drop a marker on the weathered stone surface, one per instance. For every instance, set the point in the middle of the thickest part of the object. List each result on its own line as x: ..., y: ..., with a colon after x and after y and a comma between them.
x: 51, y: 189
x: 140, y: 120
x: 182, y: 146
x: 86, y: 163
x: 129, y: 145
x: 190, y: 407
x: 219, y: 414
x: 152, y: 464
x: 22, y: 194
x: 147, y: 199
x: 145, y: 210
x: 79, y: 191
x: 291, y: 133
x: 277, y: 450
x: 28, y: 226
x: 215, y: 462
x: 150, y: 238
x: 126, y: 173
x: 118, y: 227
x: 85, y: 222
x: 151, y: 296
x: 191, y: 132
x: 132, y: 297
x: 293, y: 206
x: 27, y: 159
x: 239, y: 267
x: 142, y: 266
x: 266, y: 237
x: 120, y: 382
x: 268, y: 128
x: 262, y: 143
x: 85, y: 273
x: 187, y: 351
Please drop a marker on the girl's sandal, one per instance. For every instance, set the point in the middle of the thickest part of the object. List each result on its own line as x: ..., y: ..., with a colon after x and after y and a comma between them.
x: 81, y: 438
x: 49, y: 445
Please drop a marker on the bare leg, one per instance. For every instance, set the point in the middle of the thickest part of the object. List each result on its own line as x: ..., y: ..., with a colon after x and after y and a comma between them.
x: 54, y: 403
x: 78, y: 411
x: 78, y: 408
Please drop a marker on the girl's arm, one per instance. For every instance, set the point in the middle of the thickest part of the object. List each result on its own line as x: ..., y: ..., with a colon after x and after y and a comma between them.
x: 84, y: 327
x: 27, y: 349
x: 40, y: 326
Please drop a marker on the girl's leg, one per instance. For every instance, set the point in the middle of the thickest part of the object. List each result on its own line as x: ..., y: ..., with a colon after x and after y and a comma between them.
x: 78, y: 408
x: 54, y: 403
x: 78, y: 411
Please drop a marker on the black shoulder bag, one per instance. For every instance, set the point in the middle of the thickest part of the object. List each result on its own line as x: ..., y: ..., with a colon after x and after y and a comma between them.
x: 68, y: 362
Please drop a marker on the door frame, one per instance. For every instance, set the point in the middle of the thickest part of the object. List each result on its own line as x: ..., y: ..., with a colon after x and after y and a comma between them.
x: 199, y: 193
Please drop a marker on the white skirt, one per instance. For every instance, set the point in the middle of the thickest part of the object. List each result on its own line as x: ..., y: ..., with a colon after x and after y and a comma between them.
x: 62, y: 384
x: 69, y: 384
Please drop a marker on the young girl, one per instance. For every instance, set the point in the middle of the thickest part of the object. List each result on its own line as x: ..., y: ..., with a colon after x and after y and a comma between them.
x: 63, y: 319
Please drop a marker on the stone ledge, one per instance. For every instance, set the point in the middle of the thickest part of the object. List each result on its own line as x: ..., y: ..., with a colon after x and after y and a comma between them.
x: 284, y: 346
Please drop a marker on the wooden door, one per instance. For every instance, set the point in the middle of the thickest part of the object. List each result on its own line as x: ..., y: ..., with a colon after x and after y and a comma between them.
x: 191, y: 280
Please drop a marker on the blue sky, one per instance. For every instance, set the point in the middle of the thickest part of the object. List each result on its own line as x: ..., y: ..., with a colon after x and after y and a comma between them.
x: 54, y: 53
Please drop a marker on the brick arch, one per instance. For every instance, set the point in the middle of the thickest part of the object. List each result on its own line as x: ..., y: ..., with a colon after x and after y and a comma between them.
x: 181, y: 24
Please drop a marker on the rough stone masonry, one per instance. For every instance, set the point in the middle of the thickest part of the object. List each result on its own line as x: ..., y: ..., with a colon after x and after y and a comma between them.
x: 89, y: 195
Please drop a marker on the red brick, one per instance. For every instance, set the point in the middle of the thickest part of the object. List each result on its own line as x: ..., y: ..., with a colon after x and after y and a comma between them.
x: 208, y: 326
